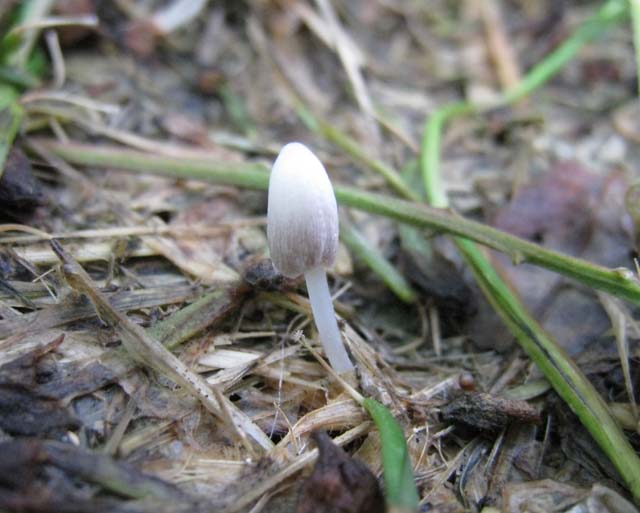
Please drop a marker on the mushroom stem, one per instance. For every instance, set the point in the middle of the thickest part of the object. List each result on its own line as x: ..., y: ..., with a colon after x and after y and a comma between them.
x: 325, y: 318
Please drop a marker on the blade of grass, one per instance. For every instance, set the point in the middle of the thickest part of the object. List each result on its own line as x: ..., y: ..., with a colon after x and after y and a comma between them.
x: 619, y: 282
x: 18, y: 79
x: 14, y: 53
x: 211, y: 308
x: 237, y: 111
x: 611, y: 12
x: 429, y: 156
x: 400, y: 486
x: 361, y: 247
x: 348, y: 233
x: 566, y: 378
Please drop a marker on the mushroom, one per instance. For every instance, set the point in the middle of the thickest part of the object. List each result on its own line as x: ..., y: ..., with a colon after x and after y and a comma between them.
x: 302, y: 228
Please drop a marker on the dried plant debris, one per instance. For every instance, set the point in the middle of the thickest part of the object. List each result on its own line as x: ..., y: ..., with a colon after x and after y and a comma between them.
x: 25, y: 407
x: 580, y: 449
x: 151, y: 359
x: 552, y: 496
x: 143, y: 348
x: 485, y: 412
x: 45, y: 476
x: 339, y: 484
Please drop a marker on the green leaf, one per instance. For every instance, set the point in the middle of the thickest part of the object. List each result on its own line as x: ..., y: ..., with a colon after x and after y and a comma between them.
x: 17, y: 45
x: 400, y: 486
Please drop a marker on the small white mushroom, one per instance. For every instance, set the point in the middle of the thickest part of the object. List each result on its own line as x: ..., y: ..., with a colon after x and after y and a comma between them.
x: 302, y: 228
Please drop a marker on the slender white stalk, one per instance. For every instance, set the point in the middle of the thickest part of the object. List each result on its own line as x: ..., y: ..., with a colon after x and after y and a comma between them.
x: 325, y: 319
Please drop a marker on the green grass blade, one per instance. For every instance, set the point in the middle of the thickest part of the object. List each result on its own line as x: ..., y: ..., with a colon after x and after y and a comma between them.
x: 611, y: 12
x: 16, y: 48
x: 429, y: 156
x: 400, y: 486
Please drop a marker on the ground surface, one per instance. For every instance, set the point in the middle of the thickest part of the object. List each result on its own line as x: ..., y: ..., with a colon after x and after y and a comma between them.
x: 86, y: 425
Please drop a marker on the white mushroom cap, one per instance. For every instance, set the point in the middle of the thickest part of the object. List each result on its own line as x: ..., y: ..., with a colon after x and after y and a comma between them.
x: 302, y: 215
